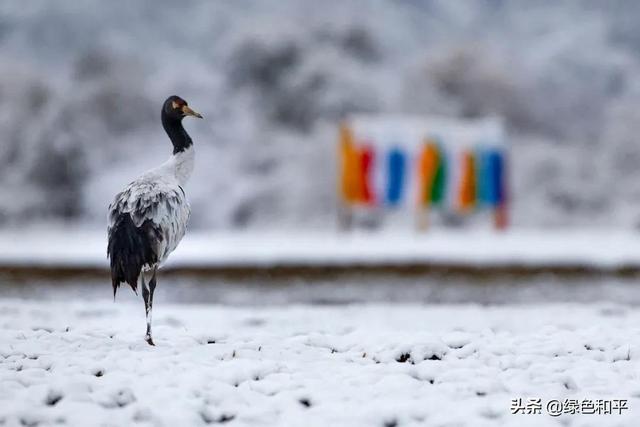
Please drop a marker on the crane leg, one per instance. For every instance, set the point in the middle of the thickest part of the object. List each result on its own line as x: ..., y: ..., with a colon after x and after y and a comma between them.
x: 147, y: 296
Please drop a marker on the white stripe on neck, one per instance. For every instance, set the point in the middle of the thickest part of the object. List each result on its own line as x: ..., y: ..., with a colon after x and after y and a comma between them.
x: 180, y: 165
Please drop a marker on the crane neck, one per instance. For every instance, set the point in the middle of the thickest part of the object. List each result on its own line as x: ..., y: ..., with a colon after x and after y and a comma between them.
x: 182, y: 160
x: 182, y: 164
x: 177, y: 134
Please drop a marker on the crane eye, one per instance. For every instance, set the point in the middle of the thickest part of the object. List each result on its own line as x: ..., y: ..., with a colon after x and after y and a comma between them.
x: 175, y: 105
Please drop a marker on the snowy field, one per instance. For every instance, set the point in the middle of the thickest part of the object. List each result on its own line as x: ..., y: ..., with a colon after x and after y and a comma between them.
x: 615, y: 248
x: 86, y: 364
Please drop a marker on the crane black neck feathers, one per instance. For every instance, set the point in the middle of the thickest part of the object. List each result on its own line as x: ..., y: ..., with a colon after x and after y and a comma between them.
x: 177, y: 134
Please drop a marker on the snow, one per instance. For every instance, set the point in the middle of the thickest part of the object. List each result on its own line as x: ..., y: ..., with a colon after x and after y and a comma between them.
x: 79, y: 363
x: 604, y: 249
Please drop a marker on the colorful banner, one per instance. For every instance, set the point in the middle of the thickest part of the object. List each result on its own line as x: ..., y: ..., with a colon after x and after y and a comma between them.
x: 456, y: 177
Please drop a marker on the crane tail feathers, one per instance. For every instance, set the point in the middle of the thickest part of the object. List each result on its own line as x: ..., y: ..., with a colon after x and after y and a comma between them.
x: 130, y: 249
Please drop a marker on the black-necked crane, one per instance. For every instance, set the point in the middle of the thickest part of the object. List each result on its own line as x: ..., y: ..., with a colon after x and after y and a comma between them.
x: 149, y: 217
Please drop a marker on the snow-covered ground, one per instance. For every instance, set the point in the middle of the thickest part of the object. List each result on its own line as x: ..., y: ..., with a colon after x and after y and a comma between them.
x: 605, y: 248
x: 83, y: 364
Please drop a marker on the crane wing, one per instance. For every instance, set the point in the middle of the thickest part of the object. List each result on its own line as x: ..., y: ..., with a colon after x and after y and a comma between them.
x: 156, y: 203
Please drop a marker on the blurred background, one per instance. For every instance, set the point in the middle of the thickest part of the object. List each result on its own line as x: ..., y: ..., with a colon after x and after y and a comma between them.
x: 81, y: 85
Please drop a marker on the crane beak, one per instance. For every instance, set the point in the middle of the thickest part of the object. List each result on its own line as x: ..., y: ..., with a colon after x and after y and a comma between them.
x: 189, y: 112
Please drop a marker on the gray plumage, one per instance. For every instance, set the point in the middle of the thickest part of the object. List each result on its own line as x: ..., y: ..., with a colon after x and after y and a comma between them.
x: 156, y: 203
